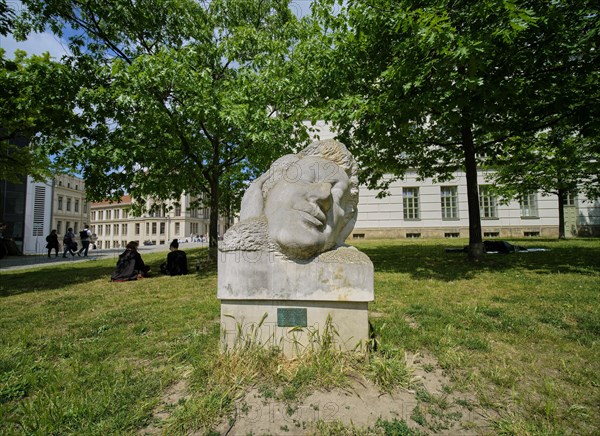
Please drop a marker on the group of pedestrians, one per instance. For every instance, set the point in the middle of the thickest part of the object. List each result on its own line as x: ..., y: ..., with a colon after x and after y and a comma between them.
x: 69, y: 244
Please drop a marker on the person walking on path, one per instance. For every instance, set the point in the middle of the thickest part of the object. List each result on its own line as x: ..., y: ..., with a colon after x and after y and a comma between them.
x: 68, y: 241
x: 85, y: 236
x: 52, y: 242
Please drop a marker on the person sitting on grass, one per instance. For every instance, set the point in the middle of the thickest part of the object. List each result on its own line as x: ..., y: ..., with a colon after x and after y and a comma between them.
x: 176, y: 264
x: 130, y: 265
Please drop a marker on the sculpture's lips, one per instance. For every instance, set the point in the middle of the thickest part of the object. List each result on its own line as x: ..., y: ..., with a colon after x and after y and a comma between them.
x: 312, y: 219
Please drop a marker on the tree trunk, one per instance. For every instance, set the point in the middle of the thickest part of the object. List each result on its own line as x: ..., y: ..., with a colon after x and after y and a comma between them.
x: 475, y: 249
x: 561, y: 214
x: 213, y: 223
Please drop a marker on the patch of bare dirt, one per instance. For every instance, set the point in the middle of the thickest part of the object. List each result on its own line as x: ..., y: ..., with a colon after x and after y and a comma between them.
x: 171, y: 398
x: 431, y: 407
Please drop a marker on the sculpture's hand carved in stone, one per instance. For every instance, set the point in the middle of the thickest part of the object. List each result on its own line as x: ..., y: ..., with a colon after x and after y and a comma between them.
x: 303, y: 206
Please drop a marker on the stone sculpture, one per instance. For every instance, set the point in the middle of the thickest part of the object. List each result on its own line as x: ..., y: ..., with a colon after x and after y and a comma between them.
x: 286, y: 256
x: 303, y: 206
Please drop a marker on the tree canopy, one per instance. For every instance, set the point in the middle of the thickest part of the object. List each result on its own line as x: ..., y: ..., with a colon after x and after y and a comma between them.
x: 27, y: 109
x: 440, y: 86
x: 173, y: 94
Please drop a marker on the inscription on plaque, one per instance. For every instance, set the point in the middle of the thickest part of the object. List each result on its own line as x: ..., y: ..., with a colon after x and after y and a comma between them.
x: 291, y: 317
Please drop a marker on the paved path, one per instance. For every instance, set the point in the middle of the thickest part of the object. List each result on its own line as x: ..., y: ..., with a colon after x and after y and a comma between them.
x: 42, y: 260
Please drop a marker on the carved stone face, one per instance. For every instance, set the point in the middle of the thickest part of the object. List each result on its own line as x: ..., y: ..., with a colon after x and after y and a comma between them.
x: 305, y: 209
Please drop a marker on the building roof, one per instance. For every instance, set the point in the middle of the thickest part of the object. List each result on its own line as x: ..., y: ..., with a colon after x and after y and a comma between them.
x: 126, y: 199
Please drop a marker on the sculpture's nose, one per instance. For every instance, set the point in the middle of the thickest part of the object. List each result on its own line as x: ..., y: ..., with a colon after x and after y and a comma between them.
x: 321, y: 195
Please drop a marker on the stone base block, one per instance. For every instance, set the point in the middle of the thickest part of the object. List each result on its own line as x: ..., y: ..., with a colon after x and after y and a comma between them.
x: 294, y: 326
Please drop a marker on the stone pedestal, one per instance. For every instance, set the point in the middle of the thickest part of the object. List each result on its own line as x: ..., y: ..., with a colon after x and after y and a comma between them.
x: 295, y: 305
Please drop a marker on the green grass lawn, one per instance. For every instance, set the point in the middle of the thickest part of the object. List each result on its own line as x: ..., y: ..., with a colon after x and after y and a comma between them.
x: 79, y: 354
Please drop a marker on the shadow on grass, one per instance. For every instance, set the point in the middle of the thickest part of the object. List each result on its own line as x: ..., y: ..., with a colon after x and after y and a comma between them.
x: 425, y: 262
x: 66, y: 274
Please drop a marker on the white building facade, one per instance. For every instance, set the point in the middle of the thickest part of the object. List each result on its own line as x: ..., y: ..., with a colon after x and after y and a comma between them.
x: 421, y: 209
x: 114, y: 225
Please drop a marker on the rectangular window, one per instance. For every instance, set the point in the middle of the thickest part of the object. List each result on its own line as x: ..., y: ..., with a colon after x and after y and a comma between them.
x: 39, y: 207
x: 487, y: 203
x: 147, y: 228
x: 449, y: 199
x: 116, y: 214
x: 115, y: 229
x: 76, y: 227
x: 93, y: 215
x: 125, y: 214
x: 68, y: 226
x: 108, y: 212
x: 529, y: 206
x: 100, y: 230
x: 137, y: 228
x: 68, y: 204
x: 124, y: 229
x: 59, y: 227
x: 76, y: 205
x: 154, y: 228
x: 107, y: 229
x: 177, y: 228
x: 84, y: 207
x: 162, y: 228
x: 206, y: 213
x: 60, y: 202
x: 178, y: 210
x: 410, y: 201
x: 100, y: 215
x: 569, y: 199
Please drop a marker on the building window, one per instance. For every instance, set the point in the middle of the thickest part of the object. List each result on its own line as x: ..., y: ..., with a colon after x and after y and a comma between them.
x: 60, y: 202
x: 76, y: 205
x: 487, y: 203
x: 68, y: 204
x: 68, y: 226
x: 76, y: 227
x: 529, y: 206
x: 205, y: 213
x: 125, y: 214
x: 147, y: 228
x: 137, y: 228
x: 194, y: 213
x: 85, y: 207
x: 177, y: 210
x: 59, y: 227
x: 77, y: 187
x: 107, y: 229
x: 93, y: 215
x: 569, y: 199
x: 162, y: 228
x: 154, y: 228
x: 100, y: 230
x: 115, y: 229
x: 124, y: 229
x: 39, y: 206
x: 100, y: 215
x: 410, y: 201
x: 116, y: 214
x: 177, y: 228
x: 69, y: 185
x: 108, y: 213
x: 449, y: 198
